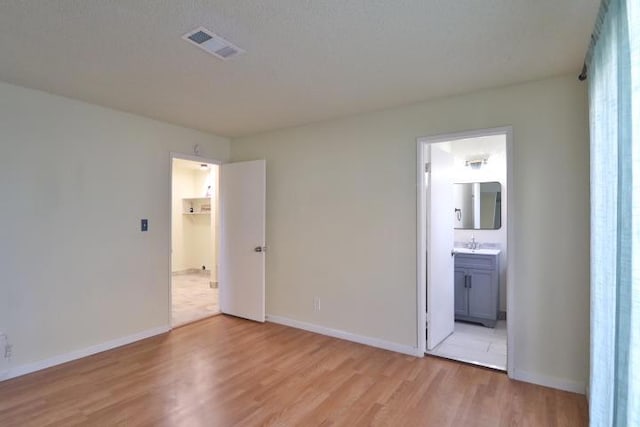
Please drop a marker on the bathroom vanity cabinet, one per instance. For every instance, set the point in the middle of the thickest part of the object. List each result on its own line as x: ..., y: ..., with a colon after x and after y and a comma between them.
x: 477, y: 284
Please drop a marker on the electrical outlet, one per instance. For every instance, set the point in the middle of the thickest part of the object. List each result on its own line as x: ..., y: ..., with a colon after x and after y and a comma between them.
x: 5, y: 347
x: 316, y: 303
x: 7, y: 351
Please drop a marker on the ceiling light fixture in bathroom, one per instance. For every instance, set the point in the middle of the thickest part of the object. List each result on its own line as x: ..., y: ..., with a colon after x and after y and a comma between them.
x: 204, y: 167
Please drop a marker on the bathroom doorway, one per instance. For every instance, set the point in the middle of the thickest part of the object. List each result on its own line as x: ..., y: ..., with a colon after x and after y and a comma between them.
x: 194, y: 240
x: 464, y: 287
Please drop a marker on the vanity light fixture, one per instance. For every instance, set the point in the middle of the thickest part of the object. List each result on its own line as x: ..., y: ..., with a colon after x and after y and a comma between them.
x: 477, y: 163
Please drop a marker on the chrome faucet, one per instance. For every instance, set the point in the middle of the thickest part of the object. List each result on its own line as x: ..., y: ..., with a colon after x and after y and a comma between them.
x: 472, y: 243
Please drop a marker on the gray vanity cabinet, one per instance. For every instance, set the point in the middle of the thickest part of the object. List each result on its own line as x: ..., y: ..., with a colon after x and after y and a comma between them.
x: 461, y: 300
x: 476, y: 287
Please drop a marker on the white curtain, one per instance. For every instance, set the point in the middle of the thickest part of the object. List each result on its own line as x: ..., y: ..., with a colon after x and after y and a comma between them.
x: 613, y: 64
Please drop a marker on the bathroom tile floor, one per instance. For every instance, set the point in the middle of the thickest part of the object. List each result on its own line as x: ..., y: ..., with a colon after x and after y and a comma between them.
x: 192, y: 298
x: 476, y: 344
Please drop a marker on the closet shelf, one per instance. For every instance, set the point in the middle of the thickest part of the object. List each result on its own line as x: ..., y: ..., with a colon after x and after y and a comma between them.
x: 196, y: 206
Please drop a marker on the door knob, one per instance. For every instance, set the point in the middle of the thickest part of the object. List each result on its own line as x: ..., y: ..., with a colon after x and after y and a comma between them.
x: 260, y: 249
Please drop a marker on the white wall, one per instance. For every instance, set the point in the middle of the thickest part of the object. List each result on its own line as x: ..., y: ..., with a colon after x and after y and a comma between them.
x: 341, y: 219
x: 181, y: 185
x: 192, y: 236
x: 75, y: 181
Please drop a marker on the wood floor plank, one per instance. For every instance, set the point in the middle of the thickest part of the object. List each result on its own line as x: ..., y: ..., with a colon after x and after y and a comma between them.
x: 226, y: 371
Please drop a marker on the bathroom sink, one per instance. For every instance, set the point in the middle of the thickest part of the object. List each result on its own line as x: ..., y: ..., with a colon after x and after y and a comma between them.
x: 476, y: 251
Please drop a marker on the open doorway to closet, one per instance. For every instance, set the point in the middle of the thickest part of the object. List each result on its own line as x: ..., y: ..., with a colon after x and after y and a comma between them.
x: 464, y: 254
x: 194, y: 240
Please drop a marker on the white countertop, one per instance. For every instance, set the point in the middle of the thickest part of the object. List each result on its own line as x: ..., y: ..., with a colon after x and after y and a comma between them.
x: 476, y: 251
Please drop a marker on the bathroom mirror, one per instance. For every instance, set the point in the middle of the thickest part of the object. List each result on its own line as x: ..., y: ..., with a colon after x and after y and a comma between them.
x: 477, y: 206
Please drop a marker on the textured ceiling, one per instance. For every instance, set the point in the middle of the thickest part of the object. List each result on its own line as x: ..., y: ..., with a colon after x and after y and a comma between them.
x: 306, y: 60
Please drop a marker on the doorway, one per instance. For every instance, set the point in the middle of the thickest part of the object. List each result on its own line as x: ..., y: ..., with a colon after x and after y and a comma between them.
x: 194, y: 240
x: 222, y: 268
x: 464, y: 257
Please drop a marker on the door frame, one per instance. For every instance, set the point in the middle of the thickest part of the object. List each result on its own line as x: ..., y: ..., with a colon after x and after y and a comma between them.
x: 193, y: 158
x: 421, y: 256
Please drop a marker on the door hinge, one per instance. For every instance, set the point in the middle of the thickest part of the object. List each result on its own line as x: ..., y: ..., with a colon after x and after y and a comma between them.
x: 427, y: 167
x: 427, y: 319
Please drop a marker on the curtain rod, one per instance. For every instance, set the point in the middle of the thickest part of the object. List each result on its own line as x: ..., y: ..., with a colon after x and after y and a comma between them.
x: 583, y: 75
x: 595, y: 35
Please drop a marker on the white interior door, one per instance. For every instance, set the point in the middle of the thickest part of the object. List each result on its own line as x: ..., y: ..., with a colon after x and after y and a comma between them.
x: 440, y: 290
x: 242, y: 239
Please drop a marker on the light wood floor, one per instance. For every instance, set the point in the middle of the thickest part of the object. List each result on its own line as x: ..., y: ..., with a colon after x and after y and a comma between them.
x: 225, y: 371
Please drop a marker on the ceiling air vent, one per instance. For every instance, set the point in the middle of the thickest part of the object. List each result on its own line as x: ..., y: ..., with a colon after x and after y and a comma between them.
x: 212, y: 43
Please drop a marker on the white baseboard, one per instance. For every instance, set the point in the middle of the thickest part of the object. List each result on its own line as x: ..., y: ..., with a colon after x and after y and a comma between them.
x: 543, y: 380
x: 78, y: 354
x: 553, y: 382
x: 348, y: 336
